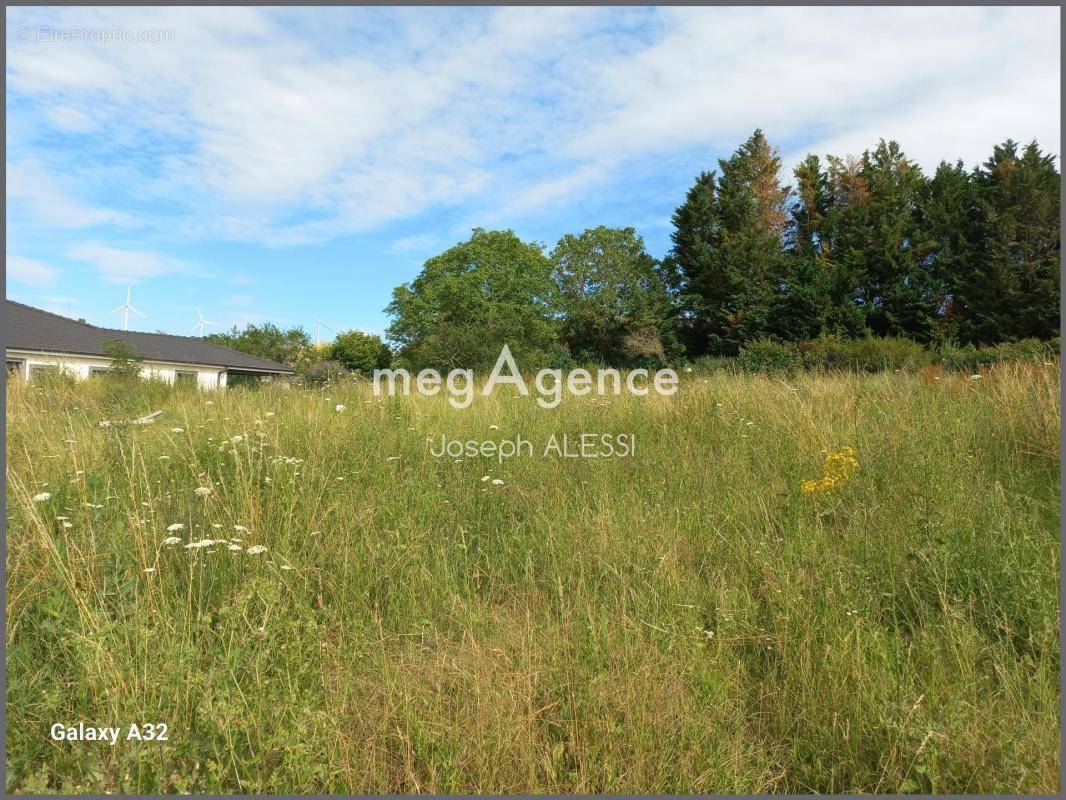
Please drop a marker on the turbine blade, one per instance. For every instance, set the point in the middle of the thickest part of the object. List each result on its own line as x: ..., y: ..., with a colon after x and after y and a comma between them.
x: 194, y: 327
x: 118, y: 309
x: 138, y: 313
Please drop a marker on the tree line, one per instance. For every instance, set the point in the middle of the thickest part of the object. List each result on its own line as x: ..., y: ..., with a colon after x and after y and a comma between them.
x: 851, y: 247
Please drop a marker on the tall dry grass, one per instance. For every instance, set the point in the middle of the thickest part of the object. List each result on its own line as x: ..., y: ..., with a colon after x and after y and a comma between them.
x: 686, y: 620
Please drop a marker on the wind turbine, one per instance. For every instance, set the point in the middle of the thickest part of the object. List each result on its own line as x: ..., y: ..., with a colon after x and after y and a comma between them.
x: 127, y: 308
x: 319, y: 324
x: 202, y: 322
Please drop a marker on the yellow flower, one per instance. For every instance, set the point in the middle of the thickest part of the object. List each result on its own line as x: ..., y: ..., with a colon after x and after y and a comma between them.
x: 836, y: 471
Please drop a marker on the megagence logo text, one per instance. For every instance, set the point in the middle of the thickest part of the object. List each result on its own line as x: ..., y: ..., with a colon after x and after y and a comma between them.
x: 549, y: 383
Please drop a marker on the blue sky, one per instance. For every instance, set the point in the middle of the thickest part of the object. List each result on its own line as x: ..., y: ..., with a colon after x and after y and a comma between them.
x: 262, y: 164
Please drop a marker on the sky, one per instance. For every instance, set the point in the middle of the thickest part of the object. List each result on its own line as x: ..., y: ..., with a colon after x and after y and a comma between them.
x: 288, y: 165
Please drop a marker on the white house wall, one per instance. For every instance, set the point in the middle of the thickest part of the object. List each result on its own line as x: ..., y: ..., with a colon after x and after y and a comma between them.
x: 80, y: 366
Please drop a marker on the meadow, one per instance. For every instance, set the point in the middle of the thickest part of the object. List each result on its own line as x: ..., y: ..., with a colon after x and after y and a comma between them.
x: 335, y: 610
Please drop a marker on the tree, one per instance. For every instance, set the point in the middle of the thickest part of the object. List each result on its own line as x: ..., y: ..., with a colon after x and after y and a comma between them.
x: 614, y: 302
x: 469, y: 301
x: 360, y: 352
x: 1018, y: 294
x: 900, y: 293
x: 125, y: 360
x: 266, y: 341
x: 728, y: 247
x: 819, y: 293
x: 688, y: 265
x: 954, y: 220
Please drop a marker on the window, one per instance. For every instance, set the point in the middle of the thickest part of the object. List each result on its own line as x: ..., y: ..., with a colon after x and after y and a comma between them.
x: 15, y: 365
x: 184, y: 378
x: 95, y: 372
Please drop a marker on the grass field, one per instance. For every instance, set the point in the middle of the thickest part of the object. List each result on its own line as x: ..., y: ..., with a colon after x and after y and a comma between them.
x: 687, y: 619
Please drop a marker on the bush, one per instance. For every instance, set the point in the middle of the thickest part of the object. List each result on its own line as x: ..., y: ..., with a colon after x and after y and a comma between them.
x: 768, y: 356
x: 966, y: 357
x: 125, y: 360
x: 971, y: 358
x: 323, y: 372
x: 873, y: 354
x: 1027, y: 350
x: 361, y: 352
x: 710, y: 364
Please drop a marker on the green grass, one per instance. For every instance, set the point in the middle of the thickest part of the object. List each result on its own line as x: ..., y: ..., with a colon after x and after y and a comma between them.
x: 685, y: 620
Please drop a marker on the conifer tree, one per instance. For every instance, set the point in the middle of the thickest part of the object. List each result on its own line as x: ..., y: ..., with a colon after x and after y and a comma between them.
x: 689, y: 264
x: 901, y: 295
x: 954, y: 221
x: 1021, y: 264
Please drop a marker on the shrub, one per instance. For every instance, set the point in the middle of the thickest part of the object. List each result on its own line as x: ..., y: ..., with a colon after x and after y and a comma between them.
x: 971, y: 358
x: 125, y: 360
x: 873, y: 354
x: 361, y: 352
x: 966, y: 357
x: 768, y: 356
x: 711, y: 364
x: 323, y: 372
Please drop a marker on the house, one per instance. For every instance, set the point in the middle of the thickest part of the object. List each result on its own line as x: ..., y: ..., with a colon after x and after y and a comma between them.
x: 36, y: 339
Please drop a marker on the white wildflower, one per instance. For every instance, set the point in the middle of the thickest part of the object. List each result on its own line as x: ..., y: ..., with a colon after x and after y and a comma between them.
x: 339, y: 407
x: 235, y: 547
x: 42, y: 497
x: 269, y: 414
x: 177, y: 430
x: 497, y: 482
x: 199, y: 544
x: 239, y: 528
x: 177, y: 526
x: 285, y: 566
x: 172, y: 540
x: 149, y: 570
x: 68, y: 524
x: 485, y: 478
x: 256, y: 549
x: 494, y: 427
x: 202, y: 491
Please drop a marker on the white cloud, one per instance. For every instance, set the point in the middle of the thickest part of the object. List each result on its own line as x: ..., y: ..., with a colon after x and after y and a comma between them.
x: 123, y: 266
x: 303, y: 126
x: 31, y: 272
x: 945, y: 81
x: 50, y: 200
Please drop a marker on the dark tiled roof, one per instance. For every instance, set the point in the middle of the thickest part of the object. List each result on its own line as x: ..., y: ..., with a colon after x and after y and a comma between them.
x: 28, y: 328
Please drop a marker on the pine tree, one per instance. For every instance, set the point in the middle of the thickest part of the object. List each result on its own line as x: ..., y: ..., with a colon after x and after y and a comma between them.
x: 1021, y: 264
x: 728, y: 249
x: 954, y: 222
x: 819, y: 292
x: 689, y: 264
x: 901, y: 295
